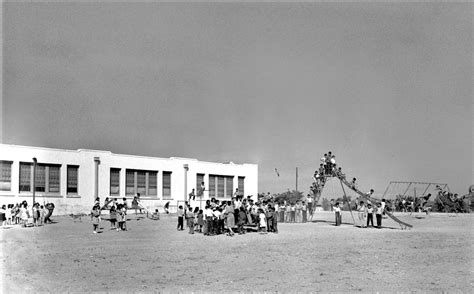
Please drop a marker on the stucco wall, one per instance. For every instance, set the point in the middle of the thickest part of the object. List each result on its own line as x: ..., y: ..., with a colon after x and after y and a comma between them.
x: 83, y: 201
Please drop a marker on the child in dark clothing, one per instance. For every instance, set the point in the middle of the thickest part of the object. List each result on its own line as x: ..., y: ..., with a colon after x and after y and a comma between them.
x: 275, y: 221
x: 180, y: 218
x: 200, y: 220
x: 242, y: 220
x: 269, y: 217
x: 113, y: 218
x: 370, y: 215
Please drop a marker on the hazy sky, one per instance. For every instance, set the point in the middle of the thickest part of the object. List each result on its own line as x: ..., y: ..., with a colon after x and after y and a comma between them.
x: 387, y: 87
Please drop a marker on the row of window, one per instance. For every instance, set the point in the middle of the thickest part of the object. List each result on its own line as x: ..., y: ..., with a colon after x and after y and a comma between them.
x: 144, y: 182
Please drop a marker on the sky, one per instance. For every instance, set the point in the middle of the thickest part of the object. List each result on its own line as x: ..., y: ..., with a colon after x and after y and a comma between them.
x: 387, y: 87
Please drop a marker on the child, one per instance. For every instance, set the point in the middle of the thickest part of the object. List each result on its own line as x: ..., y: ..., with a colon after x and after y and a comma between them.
x: 155, y: 215
x: 41, y: 215
x: 293, y: 213
x: 180, y: 218
x: 269, y: 217
x: 8, y: 214
x: 200, y: 220
x: 95, y: 214
x: 124, y: 217
x: 113, y: 218
x: 196, y: 212
x: 378, y: 215
x: 370, y: 215
x: 353, y: 184
x: 24, y: 214
x: 275, y: 220
x: 337, y: 212
x: 119, y: 217
x: 190, y: 219
x: 262, y: 222
x: 241, y: 220
x: 35, y: 214
x: 362, y: 213
x: 3, y: 217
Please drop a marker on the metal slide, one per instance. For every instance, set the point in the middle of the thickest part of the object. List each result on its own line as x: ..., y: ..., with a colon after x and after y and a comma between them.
x: 402, y: 224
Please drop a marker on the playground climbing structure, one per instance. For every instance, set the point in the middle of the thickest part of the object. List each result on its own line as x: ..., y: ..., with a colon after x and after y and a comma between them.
x: 329, y: 170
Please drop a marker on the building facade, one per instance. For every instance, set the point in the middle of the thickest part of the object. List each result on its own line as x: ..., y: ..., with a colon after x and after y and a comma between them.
x: 72, y: 179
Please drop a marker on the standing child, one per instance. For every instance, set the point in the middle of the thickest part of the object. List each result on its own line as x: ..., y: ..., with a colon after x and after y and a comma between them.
x: 95, y: 214
x: 378, y: 215
x: 190, y: 219
x: 275, y: 220
x: 362, y: 213
x: 293, y: 213
x: 24, y: 213
x: 124, y: 217
x: 42, y: 213
x: 337, y: 212
x: 370, y: 215
x: 262, y: 222
x: 3, y: 217
x: 200, y: 220
x: 180, y: 218
x: 269, y: 217
x: 35, y: 214
x: 241, y: 220
x: 119, y: 217
x: 113, y: 218
x: 8, y: 214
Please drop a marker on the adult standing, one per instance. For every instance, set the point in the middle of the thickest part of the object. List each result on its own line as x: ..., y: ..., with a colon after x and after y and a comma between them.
x: 230, y: 218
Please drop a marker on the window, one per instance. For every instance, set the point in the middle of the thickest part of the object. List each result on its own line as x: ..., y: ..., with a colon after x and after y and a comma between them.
x: 229, y: 186
x: 166, y: 184
x: 5, y: 175
x: 54, y: 179
x: 115, y: 181
x: 72, y: 178
x: 241, y: 185
x: 47, y: 180
x: 130, y: 181
x: 220, y: 186
x: 212, y: 186
x: 199, y: 180
x: 153, y: 183
x: 25, y: 177
x: 141, y: 181
x: 40, y: 181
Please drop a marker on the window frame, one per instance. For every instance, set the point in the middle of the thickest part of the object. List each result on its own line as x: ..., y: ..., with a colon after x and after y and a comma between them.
x: 7, y: 173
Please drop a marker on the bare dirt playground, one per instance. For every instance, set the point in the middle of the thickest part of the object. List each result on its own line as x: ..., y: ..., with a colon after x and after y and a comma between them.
x: 434, y: 256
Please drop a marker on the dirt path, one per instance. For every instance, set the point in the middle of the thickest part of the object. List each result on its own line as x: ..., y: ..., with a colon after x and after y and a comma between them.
x: 152, y: 256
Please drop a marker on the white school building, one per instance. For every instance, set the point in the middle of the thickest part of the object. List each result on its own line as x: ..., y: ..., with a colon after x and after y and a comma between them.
x: 72, y: 179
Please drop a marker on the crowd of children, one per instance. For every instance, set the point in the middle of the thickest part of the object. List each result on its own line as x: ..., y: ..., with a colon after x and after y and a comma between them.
x: 117, y: 214
x: 21, y: 214
x: 229, y: 217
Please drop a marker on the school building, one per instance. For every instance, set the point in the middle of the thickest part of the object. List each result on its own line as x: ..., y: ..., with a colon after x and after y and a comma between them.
x: 72, y: 179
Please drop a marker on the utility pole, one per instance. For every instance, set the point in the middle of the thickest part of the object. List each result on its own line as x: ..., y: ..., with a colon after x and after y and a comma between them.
x: 34, y: 185
x: 296, y: 179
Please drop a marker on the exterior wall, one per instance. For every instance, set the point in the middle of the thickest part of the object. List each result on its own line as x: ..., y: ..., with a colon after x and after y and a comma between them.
x: 83, y: 201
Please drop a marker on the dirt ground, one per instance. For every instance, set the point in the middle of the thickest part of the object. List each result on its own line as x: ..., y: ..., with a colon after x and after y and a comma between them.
x: 435, y: 256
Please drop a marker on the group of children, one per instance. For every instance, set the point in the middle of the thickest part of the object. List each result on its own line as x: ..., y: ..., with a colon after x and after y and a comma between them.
x: 117, y: 214
x: 237, y: 215
x: 365, y: 214
x: 13, y: 214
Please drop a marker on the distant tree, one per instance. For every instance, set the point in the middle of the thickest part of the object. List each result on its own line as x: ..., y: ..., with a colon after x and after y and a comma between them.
x: 289, y: 196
